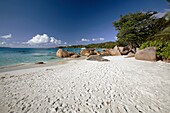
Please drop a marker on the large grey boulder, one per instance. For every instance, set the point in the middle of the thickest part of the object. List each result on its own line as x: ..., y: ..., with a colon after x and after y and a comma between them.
x: 121, y: 49
x: 115, y: 51
x: 167, y: 60
x: 105, y: 52
x: 97, y: 52
x: 148, y: 54
x: 40, y: 63
x: 124, y: 50
x: 62, y: 54
x: 75, y: 56
x: 87, y: 52
x: 70, y: 54
x: 137, y: 49
x: 96, y: 58
x: 131, y: 54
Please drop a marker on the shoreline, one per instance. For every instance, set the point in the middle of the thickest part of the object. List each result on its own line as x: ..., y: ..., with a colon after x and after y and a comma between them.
x: 22, y: 66
x: 120, y: 85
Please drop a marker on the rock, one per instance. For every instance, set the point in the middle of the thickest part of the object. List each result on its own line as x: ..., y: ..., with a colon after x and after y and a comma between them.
x: 133, y: 50
x: 97, y: 52
x: 62, y: 54
x: 137, y: 49
x: 131, y: 55
x: 52, y: 58
x: 146, y: 54
x: 114, y: 52
x: 87, y: 52
x: 70, y: 54
x: 105, y: 53
x: 121, y: 49
x: 39, y: 63
x: 75, y: 56
x: 166, y: 60
x: 124, y: 50
x: 96, y: 58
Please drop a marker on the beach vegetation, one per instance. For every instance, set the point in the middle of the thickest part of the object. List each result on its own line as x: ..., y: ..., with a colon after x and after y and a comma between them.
x: 95, y: 45
x: 143, y: 29
x: 134, y: 28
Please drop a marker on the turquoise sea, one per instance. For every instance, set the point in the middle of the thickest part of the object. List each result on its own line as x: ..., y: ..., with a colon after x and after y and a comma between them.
x: 14, y: 56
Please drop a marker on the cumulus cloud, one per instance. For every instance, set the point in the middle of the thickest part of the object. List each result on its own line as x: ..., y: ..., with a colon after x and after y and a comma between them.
x: 43, y: 39
x: 85, y: 40
x: 6, y: 36
x: 88, y: 40
x: 97, y: 39
x: 55, y: 41
x: 39, y: 39
x: 65, y: 43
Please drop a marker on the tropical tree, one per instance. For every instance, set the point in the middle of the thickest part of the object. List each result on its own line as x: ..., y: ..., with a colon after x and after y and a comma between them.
x: 136, y: 28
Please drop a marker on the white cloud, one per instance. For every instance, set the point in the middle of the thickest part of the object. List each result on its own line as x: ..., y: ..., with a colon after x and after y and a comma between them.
x: 55, y: 41
x: 85, y: 40
x: 97, y: 39
x: 39, y: 39
x: 65, y: 43
x: 6, y: 36
x: 2, y: 43
x: 88, y: 40
x: 43, y: 39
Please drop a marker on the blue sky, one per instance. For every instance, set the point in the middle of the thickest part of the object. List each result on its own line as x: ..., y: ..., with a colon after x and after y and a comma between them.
x: 36, y: 23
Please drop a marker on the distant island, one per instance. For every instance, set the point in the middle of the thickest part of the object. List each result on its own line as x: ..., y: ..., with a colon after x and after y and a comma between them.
x: 97, y: 45
x: 5, y: 47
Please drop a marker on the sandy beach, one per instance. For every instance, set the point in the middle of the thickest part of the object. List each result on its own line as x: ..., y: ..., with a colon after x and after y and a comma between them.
x: 122, y: 85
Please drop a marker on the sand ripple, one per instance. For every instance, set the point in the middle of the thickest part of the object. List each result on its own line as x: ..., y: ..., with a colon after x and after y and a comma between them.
x: 119, y: 86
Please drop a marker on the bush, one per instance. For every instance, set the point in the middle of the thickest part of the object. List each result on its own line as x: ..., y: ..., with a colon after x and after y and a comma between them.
x: 101, y: 45
x: 166, y: 51
x: 162, y: 48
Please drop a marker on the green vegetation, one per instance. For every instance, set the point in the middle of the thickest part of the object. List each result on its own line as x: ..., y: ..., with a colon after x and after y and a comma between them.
x: 101, y: 45
x: 144, y: 30
x: 140, y: 30
x: 98, y: 45
x: 162, y: 48
x: 162, y: 43
x: 134, y: 29
x: 73, y: 46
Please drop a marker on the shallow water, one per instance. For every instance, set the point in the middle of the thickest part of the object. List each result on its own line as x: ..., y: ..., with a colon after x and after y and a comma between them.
x: 14, y: 56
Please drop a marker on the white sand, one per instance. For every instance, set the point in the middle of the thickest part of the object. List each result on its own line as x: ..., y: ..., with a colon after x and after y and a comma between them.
x: 123, y: 85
